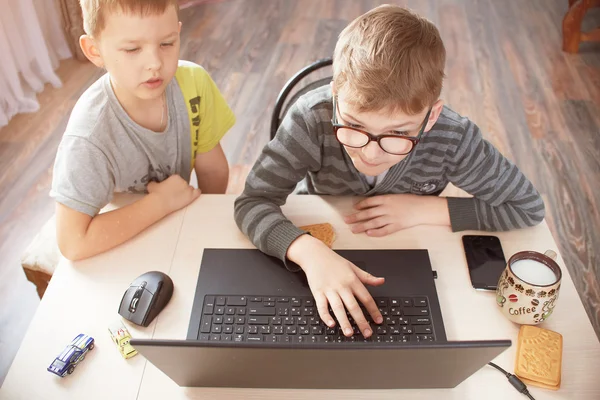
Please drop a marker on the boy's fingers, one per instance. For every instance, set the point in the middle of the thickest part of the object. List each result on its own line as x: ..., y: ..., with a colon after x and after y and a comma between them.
x: 363, y: 295
x: 383, y: 231
x: 367, y: 214
x: 375, y: 223
x: 367, y: 278
x: 321, y: 302
x: 369, y: 202
x: 356, y: 312
x: 340, y: 313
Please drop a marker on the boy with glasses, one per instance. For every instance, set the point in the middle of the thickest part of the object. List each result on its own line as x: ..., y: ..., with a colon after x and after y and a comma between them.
x: 379, y: 131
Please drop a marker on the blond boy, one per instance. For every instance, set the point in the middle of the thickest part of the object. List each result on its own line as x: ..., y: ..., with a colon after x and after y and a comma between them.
x: 134, y: 130
x: 381, y: 131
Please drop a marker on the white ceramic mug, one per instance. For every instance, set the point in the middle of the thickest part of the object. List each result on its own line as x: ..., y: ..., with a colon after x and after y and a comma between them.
x: 529, y: 286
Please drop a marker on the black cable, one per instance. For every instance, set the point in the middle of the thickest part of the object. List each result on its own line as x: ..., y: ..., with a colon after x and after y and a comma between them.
x: 514, y: 380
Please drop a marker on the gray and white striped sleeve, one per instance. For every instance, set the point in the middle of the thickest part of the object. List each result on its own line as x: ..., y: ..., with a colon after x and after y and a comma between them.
x: 504, y: 198
x: 283, y: 163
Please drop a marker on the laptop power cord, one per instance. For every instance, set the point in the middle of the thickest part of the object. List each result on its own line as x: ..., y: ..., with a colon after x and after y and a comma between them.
x: 514, y: 380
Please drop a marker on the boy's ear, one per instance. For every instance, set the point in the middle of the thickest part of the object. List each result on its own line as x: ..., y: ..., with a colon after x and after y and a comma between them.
x: 436, y: 110
x: 90, y: 49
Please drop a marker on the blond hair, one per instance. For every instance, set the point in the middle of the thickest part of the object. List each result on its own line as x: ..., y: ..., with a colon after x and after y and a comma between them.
x: 95, y: 11
x: 390, y: 59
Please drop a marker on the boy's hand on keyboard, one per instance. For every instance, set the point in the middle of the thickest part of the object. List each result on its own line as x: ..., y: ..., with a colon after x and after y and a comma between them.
x: 337, y: 282
x: 386, y: 214
x: 174, y: 192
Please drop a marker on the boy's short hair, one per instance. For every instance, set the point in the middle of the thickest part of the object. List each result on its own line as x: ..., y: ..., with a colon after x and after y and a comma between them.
x: 94, y: 11
x: 390, y: 59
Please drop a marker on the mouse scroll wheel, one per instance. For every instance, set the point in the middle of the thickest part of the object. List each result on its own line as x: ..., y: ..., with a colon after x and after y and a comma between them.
x: 134, y: 304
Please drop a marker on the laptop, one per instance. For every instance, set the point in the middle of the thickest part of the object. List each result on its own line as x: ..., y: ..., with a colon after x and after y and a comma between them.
x: 254, y: 324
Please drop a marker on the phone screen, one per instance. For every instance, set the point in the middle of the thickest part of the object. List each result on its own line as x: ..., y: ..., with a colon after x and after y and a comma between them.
x: 485, y: 260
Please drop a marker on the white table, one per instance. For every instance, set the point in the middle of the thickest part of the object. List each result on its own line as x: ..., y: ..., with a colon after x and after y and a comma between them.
x: 84, y: 297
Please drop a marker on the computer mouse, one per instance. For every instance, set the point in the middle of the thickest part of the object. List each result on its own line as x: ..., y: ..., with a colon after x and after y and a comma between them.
x: 147, y: 295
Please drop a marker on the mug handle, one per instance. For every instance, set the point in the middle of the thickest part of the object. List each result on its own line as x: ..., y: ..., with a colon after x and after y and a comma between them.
x: 551, y: 254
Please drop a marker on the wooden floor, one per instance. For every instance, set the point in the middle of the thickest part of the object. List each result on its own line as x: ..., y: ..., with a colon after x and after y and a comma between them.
x: 505, y: 71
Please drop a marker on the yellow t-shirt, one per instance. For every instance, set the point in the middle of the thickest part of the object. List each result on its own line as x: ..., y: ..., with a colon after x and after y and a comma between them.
x: 210, y: 116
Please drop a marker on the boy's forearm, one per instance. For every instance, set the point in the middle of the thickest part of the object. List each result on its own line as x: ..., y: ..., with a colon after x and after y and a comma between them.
x: 214, y: 181
x: 113, y: 228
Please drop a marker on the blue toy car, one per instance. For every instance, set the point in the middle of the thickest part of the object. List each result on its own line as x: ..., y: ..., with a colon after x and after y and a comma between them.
x: 72, y: 355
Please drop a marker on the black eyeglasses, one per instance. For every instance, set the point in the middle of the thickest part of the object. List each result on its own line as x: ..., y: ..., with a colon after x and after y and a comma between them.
x: 358, y: 138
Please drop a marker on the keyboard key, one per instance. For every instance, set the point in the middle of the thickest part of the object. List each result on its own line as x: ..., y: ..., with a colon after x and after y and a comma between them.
x: 230, y: 311
x: 287, y: 339
x: 407, y: 330
x: 308, y: 311
x: 209, y: 300
x: 283, y: 299
x: 215, y: 338
x: 208, y: 309
x: 275, y: 320
x: 265, y: 329
x: 220, y: 300
x: 271, y: 338
x: 381, y: 302
x: 416, y: 311
x: 395, y: 302
x: 309, y: 303
x: 240, y: 320
x: 304, y: 330
x: 395, y: 311
x: 420, y: 321
x: 381, y: 330
x: 239, y: 329
x: 302, y: 321
x: 402, y: 321
x: 289, y: 321
x: 220, y: 310
x: 406, y: 338
x: 205, y: 324
x: 395, y: 330
x: 227, y: 329
x: 315, y: 339
x: 295, y: 311
x: 204, y: 337
x: 296, y: 302
x: 254, y: 338
x: 241, y: 311
x: 314, y: 320
x: 269, y: 299
x: 229, y: 320
x: 317, y: 330
x: 236, y: 300
x: 216, y: 328
x: 256, y: 299
x: 423, y: 329
x: 390, y: 321
x: 290, y: 330
x: 226, y: 338
x: 299, y: 339
x: 255, y: 320
x: 278, y: 330
x: 283, y: 312
x: 253, y: 329
x: 217, y: 319
x: 406, y: 302
x: 420, y: 301
x: 261, y: 310
x: 425, y: 338
x: 238, y: 338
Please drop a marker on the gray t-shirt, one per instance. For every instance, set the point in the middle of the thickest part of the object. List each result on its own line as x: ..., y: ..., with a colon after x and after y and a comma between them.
x: 104, y: 151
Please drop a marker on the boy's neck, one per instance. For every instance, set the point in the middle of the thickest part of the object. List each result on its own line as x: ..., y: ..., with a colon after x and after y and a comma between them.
x: 148, y: 113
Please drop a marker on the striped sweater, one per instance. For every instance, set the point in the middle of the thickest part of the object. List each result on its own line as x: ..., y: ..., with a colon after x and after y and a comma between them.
x: 305, y: 149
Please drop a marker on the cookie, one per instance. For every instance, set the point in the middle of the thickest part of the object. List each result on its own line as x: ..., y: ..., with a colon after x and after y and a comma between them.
x: 539, y: 357
x: 324, y: 232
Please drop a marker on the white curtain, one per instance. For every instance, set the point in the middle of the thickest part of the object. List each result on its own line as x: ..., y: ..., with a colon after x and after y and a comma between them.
x: 31, y: 45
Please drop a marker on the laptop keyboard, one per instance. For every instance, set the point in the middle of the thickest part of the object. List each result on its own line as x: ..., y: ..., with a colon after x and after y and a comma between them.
x: 296, y: 320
